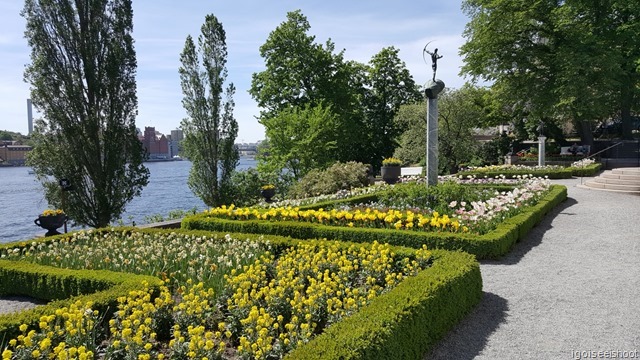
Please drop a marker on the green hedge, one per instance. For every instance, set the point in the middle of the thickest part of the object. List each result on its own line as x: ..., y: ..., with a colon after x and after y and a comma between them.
x: 494, y: 244
x: 407, y: 321
x: 587, y: 171
x: 61, y: 287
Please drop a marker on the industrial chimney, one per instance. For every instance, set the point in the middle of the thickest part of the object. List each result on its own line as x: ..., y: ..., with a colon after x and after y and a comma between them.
x: 29, y: 116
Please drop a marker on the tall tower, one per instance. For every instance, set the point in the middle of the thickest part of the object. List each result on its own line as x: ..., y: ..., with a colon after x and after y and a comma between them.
x: 29, y: 116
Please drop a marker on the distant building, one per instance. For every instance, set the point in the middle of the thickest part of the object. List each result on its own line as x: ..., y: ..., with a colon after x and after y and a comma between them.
x: 175, y: 142
x: 13, y: 155
x: 157, y: 147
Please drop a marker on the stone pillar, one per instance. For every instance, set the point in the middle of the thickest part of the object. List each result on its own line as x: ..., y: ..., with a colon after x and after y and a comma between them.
x: 541, y: 155
x: 432, y: 91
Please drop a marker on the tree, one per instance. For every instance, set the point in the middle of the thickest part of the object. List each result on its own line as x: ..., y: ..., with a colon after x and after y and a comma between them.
x: 389, y: 85
x: 211, y: 130
x: 300, y: 72
x: 82, y: 77
x: 300, y: 139
x: 558, y: 59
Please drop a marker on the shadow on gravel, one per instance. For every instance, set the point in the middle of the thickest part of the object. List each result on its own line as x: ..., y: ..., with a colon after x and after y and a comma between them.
x: 469, y: 337
x: 534, y: 238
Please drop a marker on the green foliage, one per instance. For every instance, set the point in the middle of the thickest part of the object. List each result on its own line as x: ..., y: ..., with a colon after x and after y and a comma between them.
x: 567, y: 56
x: 82, y: 78
x: 408, y: 321
x: 493, y: 151
x: 389, y: 86
x: 246, y: 186
x: 301, y: 75
x: 339, y: 176
x: 493, y: 244
x: 587, y: 171
x: 300, y: 72
x: 211, y: 130
x: 300, y: 139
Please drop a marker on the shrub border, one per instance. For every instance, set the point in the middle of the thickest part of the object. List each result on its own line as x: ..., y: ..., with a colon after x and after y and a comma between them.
x: 494, y: 244
x: 64, y: 287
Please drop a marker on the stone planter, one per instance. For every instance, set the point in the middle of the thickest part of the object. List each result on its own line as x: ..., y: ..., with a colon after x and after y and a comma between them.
x: 51, y: 223
x: 268, y: 194
x: 390, y: 174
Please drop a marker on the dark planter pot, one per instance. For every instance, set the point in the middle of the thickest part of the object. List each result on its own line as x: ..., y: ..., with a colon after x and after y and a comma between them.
x: 51, y: 223
x: 390, y: 174
x: 268, y: 194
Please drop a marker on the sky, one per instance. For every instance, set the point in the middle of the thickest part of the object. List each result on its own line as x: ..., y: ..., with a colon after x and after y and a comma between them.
x: 360, y: 28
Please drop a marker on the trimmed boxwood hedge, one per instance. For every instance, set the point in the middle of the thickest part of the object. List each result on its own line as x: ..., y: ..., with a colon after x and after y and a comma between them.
x: 587, y: 171
x: 494, y: 244
x: 61, y: 287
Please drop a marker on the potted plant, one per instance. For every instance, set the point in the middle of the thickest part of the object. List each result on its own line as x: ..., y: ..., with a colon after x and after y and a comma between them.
x: 51, y: 220
x: 390, y: 170
x: 268, y: 191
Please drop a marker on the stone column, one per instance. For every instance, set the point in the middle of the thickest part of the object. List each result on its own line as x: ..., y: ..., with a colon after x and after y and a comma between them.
x: 541, y: 155
x: 432, y: 91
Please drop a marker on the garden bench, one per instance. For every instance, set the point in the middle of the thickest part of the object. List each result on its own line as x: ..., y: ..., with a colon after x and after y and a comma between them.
x: 411, y: 171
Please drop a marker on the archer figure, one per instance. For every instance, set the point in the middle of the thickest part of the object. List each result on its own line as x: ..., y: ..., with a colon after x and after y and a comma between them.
x: 434, y: 61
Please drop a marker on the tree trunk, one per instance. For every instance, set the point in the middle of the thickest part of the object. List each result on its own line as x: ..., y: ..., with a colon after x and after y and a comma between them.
x: 585, y: 132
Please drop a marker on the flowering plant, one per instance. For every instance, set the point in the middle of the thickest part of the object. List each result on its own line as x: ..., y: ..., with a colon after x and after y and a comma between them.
x: 267, y: 187
x: 50, y: 212
x: 391, y: 162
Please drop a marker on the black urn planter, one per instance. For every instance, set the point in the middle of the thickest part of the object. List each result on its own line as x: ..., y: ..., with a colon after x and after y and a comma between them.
x: 390, y: 174
x: 51, y: 223
x: 268, y: 194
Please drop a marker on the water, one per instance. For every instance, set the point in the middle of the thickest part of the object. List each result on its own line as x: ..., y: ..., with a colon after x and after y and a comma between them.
x: 22, y: 199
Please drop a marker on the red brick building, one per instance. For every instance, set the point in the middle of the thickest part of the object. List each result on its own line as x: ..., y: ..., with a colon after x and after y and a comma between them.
x: 157, y: 147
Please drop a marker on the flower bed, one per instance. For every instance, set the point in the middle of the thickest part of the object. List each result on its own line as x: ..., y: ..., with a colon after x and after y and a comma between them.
x: 491, y: 244
x: 283, y: 299
x: 512, y: 171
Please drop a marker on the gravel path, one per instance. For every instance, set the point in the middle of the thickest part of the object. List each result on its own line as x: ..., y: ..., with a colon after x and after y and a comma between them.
x: 9, y: 304
x: 572, y: 286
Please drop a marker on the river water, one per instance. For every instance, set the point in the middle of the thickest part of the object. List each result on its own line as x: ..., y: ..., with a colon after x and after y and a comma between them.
x: 22, y: 199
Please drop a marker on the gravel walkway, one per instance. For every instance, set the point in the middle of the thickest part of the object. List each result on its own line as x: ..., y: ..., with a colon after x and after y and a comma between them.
x: 10, y: 304
x: 567, y: 291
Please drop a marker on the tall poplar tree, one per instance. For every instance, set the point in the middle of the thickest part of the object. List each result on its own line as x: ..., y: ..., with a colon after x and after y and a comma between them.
x: 210, y: 130
x: 82, y: 77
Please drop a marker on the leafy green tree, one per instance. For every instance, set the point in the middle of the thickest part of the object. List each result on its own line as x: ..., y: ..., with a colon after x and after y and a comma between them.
x: 211, y: 130
x: 82, y: 77
x: 388, y: 86
x: 300, y: 72
x: 572, y: 60
x: 300, y: 139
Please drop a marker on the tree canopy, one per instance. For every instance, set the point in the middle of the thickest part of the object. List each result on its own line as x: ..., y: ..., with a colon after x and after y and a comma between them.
x: 82, y: 77
x: 569, y: 60
x: 363, y: 98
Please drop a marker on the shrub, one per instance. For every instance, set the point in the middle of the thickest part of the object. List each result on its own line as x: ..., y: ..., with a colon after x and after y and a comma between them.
x: 245, y: 185
x: 339, y: 176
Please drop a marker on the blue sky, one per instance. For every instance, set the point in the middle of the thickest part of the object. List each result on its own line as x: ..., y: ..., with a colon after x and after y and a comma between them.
x: 361, y: 28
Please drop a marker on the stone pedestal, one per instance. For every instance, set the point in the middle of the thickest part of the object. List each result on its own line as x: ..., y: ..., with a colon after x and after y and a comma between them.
x: 541, y: 146
x: 432, y: 91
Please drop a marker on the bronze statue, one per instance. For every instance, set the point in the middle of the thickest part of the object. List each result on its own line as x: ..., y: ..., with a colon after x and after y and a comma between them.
x: 434, y: 60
